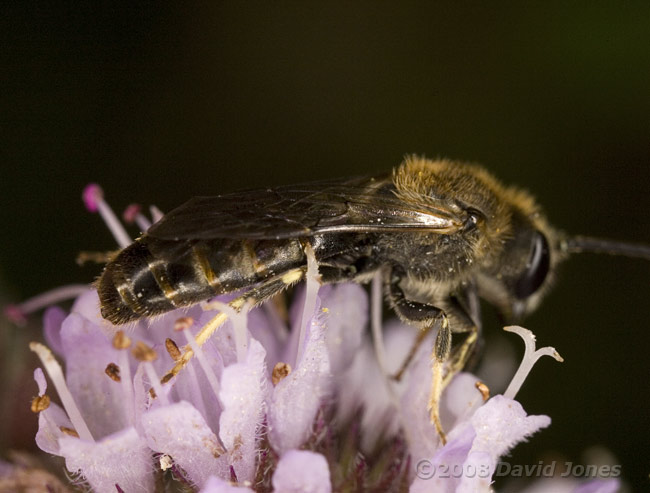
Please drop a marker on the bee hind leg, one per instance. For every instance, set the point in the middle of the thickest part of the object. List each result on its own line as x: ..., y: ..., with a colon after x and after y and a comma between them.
x: 252, y: 297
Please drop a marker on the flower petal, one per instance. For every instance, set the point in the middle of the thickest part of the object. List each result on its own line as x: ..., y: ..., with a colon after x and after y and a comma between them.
x: 49, y: 431
x: 122, y: 459
x: 180, y: 431
x: 347, y: 308
x: 217, y: 485
x: 52, y: 320
x: 599, y: 486
x: 296, y: 398
x: 499, y: 424
x: 302, y: 471
x: 437, y: 474
x: 243, y: 392
x: 88, y: 352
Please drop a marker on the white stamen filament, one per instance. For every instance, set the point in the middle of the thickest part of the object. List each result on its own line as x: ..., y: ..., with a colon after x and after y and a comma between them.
x: 94, y: 198
x: 239, y: 321
x: 156, y: 214
x: 55, y: 372
x: 530, y: 358
x: 143, y: 223
x: 127, y: 386
x: 376, y: 306
x: 376, y: 322
x: 52, y: 297
x: 154, y: 380
x: 203, y: 361
x: 311, y: 294
x: 277, y: 325
x: 114, y: 224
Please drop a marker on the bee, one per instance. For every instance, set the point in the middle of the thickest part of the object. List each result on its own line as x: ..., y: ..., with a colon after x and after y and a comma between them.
x: 441, y: 234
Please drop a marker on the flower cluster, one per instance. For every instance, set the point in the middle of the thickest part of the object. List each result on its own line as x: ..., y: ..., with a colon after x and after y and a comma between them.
x: 268, y: 403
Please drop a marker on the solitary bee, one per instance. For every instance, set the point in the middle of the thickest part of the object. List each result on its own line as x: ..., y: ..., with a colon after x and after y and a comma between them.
x: 440, y: 234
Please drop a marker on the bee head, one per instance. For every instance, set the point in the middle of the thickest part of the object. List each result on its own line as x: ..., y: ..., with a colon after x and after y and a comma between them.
x: 516, y: 280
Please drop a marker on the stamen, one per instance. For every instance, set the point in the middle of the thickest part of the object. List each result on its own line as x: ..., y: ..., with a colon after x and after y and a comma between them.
x: 376, y: 322
x: 69, y: 431
x: 133, y: 214
x: 146, y: 355
x: 156, y: 214
x: 483, y: 389
x: 213, y: 381
x: 40, y: 403
x: 280, y: 372
x: 53, y: 369
x: 93, y: 197
x: 172, y: 348
x: 121, y: 342
x: 239, y: 320
x: 18, y: 313
x: 311, y: 295
x: 166, y: 462
x: 113, y: 372
x: 530, y: 358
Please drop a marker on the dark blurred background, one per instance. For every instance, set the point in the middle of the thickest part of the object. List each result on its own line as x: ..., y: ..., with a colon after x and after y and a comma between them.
x: 160, y: 103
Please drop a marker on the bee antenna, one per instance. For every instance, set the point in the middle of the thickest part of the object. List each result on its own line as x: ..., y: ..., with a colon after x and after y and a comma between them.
x: 580, y: 244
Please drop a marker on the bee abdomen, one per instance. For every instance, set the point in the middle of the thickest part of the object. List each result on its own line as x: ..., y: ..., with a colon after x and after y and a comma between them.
x: 153, y: 276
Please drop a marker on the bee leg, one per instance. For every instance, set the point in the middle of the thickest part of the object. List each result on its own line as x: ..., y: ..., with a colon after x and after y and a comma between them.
x: 252, y: 297
x: 439, y: 356
x: 421, y: 315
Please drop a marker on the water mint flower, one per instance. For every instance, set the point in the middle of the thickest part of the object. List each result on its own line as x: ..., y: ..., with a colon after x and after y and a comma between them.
x: 264, y: 404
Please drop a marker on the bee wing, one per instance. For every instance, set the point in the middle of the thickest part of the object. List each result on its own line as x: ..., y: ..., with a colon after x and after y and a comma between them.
x: 349, y: 205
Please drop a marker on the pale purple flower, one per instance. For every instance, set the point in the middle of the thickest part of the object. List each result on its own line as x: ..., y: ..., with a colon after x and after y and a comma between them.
x: 265, y: 405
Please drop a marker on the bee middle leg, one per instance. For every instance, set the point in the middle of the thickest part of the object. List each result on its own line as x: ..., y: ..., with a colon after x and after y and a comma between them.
x: 425, y: 317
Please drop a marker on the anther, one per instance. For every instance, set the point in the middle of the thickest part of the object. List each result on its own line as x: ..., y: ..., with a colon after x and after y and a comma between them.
x: 483, y: 389
x: 113, y: 371
x: 280, y: 372
x: 69, y: 431
x: 183, y: 323
x: 121, y: 340
x: 93, y: 197
x: 172, y: 349
x: 40, y: 403
x: 133, y: 214
x: 55, y: 372
x: 142, y: 352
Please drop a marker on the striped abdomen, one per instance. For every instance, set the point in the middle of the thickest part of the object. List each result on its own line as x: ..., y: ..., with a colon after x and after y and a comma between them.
x: 154, y: 276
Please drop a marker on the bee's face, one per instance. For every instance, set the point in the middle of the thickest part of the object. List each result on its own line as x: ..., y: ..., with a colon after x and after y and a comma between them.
x: 517, y: 279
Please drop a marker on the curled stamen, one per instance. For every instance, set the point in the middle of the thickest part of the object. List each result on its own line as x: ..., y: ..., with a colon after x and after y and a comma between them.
x: 18, y: 313
x: 530, y: 358
x: 55, y: 372
x: 93, y: 197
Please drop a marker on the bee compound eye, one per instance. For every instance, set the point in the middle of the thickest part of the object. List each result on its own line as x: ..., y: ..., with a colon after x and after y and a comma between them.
x: 537, y: 267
